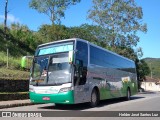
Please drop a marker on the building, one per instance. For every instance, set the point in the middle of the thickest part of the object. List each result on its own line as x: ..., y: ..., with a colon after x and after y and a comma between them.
x: 151, y: 84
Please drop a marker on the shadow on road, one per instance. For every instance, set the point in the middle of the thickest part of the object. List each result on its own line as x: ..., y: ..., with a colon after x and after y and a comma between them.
x: 148, y: 92
x: 116, y: 100
x: 85, y: 105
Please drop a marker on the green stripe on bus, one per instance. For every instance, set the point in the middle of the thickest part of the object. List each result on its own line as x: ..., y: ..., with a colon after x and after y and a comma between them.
x: 62, y: 98
x: 107, y: 93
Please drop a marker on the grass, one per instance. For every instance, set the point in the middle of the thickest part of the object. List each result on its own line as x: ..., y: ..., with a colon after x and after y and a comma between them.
x: 13, y: 63
x: 14, y: 69
x: 16, y: 74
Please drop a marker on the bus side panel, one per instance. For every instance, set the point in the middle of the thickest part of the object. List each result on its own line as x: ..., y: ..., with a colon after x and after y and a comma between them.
x: 97, y: 76
x: 112, y: 83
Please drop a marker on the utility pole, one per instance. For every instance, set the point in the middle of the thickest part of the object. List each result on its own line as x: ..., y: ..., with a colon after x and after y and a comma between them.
x: 5, y: 20
x: 5, y: 28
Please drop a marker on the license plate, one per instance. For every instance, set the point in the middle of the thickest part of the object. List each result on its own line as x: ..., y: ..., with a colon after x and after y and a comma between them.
x: 46, y: 98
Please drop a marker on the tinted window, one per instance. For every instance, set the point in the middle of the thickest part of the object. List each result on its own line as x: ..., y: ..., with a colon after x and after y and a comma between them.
x: 82, y: 52
x: 81, y: 63
x: 109, y: 60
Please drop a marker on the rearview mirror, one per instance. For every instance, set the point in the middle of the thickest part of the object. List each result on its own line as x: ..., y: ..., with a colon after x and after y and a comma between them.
x: 70, y: 57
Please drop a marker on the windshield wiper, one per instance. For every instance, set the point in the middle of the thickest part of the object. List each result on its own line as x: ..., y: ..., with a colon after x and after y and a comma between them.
x: 60, y: 83
x: 52, y: 84
x: 57, y: 84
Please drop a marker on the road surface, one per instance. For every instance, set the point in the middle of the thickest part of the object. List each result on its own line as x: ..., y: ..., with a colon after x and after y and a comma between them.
x: 141, y: 102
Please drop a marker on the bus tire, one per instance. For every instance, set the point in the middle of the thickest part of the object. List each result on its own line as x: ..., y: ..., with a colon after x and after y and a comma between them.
x: 128, y: 97
x: 94, y: 98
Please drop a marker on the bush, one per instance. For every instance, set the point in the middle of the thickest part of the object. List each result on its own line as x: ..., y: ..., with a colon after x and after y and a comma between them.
x: 13, y: 63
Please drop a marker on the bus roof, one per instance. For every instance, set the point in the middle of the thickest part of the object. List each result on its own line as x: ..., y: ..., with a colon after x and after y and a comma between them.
x: 78, y: 39
x: 65, y: 40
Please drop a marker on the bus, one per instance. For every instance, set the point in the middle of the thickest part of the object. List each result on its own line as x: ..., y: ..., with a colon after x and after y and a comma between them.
x: 73, y: 71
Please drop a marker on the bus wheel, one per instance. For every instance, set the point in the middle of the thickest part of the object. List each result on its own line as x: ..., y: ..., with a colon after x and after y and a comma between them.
x: 94, y: 98
x: 128, y: 97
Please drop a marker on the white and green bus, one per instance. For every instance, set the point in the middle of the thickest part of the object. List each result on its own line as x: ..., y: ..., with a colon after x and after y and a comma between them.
x: 75, y: 71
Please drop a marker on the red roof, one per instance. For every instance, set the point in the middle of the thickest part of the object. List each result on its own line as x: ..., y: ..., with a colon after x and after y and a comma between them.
x: 149, y: 79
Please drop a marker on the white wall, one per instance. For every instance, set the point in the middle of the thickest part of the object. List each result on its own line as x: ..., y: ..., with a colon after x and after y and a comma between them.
x: 151, y: 86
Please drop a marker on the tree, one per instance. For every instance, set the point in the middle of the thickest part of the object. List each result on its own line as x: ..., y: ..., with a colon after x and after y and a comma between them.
x: 50, y: 33
x: 142, y: 69
x: 121, y: 19
x: 23, y: 37
x: 84, y: 31
x: 54, y: 9
x: 92, y: 33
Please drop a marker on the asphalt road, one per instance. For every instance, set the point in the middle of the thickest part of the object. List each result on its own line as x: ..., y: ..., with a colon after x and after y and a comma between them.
x: 140, y: 102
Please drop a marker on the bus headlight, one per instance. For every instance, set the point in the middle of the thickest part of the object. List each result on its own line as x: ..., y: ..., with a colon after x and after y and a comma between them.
x: 65, y: 89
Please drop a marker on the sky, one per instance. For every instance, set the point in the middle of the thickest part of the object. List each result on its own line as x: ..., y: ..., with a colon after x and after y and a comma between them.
x: 76, y: 15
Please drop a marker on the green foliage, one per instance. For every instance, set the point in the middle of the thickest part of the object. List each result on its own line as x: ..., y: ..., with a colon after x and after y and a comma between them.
x: 121, y: 19
x: 91, y: 33
x: 13, y: 73
x: 154, y: 65
x: 54, y: 9
x: 142, y: 69
x: 24, y: 36
x: 14, y: 62
x: 50, y: 33
x: 20, y: 40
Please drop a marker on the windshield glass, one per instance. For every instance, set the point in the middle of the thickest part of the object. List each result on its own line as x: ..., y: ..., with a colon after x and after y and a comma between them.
x: 39, y: 72
x: 59, y: 70
x: 51, y: 70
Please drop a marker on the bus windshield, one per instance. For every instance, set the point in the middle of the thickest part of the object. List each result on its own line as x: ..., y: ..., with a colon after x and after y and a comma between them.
x: 51, y: 70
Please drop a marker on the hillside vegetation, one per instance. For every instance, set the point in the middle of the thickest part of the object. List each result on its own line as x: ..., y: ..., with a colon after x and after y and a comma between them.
x: 17, y: 47
x: 154, y: 64
x: 21, y: 41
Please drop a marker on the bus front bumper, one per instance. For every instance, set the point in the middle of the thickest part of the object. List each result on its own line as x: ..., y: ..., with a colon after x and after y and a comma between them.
x: 60, y: 98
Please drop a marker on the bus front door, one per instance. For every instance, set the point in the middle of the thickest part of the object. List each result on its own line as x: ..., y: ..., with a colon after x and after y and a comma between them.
x: 81, y: 88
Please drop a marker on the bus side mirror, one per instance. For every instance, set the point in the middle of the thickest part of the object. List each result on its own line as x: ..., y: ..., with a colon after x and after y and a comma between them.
x: 70, y: 57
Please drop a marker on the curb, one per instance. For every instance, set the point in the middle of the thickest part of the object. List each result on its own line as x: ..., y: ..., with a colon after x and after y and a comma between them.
x: 15, y: 105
